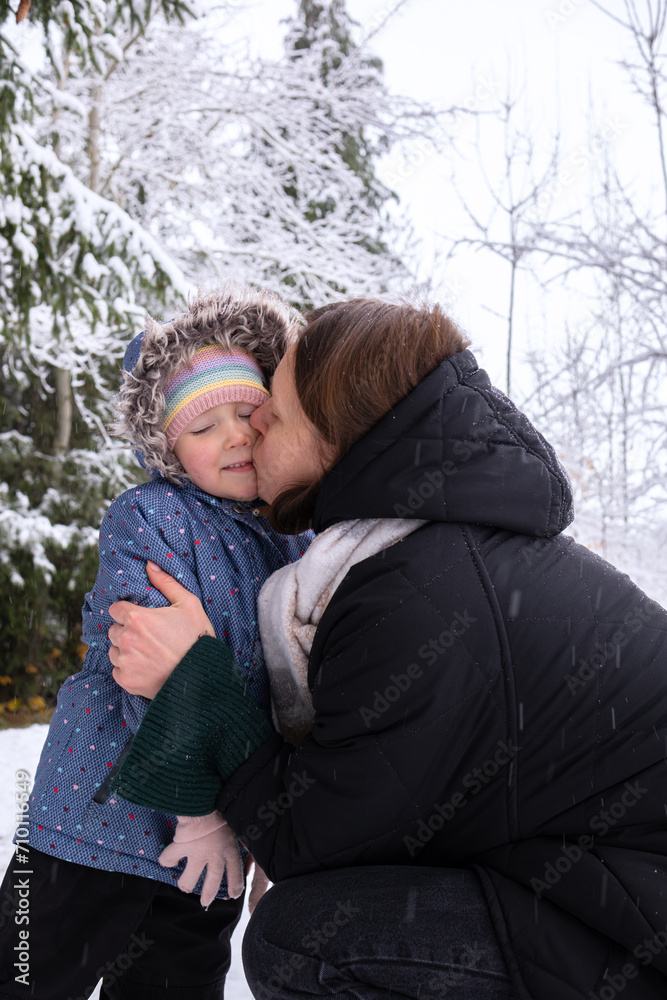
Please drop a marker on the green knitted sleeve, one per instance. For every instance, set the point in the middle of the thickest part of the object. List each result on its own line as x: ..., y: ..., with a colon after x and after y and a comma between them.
x: 200, y: 727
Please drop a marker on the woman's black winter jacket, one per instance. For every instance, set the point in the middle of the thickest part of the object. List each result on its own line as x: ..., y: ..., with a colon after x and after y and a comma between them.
x: 488, y: 693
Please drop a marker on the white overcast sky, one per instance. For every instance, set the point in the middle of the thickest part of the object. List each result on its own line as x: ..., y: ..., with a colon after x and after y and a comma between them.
x: 563, y: 53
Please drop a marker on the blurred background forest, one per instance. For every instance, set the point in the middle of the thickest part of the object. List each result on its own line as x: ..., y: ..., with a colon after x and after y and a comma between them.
x: 146, y: 150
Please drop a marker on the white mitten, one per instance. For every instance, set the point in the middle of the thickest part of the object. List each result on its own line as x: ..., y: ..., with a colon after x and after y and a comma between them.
x: 260, y: 883
x: 207, y: 842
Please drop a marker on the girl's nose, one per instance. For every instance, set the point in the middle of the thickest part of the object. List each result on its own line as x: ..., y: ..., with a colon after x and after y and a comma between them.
x: 239, y: 434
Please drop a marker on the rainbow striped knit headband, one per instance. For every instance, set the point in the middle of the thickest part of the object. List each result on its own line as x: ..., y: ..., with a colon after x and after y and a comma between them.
x: 216, y: 375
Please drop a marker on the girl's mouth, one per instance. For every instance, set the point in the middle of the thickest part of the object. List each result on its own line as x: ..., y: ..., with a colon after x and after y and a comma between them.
x: 240, y: 467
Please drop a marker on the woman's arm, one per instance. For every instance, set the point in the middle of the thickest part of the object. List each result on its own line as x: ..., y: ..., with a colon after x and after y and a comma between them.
x: 372, y: 768
x: 326, y: 802
x: 148, y: 643
x: 201, y: 726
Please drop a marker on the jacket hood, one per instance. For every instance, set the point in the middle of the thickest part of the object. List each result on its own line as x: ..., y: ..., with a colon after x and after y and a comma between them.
x: 129, y: 363
x: 256, y: 321
x: 455, y: 449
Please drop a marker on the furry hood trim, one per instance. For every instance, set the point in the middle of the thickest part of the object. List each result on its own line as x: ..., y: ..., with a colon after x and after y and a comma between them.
x: 256, y: 321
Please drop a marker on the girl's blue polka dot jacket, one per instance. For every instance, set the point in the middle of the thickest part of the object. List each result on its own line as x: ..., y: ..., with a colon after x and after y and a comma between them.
x: 220, y: 551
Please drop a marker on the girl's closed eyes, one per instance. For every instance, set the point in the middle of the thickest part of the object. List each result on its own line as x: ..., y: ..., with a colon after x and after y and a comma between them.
x: 215, y: 449
x: 240, y: 416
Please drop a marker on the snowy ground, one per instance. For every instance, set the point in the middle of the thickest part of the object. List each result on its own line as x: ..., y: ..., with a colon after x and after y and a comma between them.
x: 20, y: 748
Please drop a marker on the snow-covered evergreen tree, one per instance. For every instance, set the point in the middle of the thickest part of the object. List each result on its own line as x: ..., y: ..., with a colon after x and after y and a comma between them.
x: 76, y: 272
x: 260, y: 169
x: 141, y: 154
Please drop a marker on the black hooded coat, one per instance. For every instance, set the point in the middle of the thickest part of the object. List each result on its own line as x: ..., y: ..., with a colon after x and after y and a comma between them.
x: 488, y: 693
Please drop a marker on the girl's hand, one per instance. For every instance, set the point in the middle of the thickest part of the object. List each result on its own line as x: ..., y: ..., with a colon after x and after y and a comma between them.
x: 148, y: 643
x: 207, y: 842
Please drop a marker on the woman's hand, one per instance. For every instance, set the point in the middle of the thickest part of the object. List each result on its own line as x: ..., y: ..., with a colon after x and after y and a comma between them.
x: 148, y: 643
x: 260, y: 884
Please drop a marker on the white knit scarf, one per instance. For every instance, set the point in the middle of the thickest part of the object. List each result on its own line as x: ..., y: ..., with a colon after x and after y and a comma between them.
x: 292, y: 602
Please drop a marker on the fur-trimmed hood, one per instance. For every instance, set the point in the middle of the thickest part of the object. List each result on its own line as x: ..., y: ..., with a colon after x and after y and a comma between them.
x: 257, y: 321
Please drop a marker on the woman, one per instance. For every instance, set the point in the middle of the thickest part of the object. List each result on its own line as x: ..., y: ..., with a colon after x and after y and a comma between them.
x: 479, y: 809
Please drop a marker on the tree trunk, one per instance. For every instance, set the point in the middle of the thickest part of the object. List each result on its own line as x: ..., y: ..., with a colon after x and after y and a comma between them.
x: 93, y: 149
x: 64, y: 412
x: 63, y: 379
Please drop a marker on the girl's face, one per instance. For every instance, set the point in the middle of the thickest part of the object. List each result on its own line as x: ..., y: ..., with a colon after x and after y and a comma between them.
x: 215, y: 449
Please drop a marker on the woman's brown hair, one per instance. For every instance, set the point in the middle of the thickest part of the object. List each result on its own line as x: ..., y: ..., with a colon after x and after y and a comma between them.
x: 353, y: 362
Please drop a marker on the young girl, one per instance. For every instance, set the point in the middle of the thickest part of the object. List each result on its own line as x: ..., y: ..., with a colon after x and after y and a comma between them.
x: 190, y: 386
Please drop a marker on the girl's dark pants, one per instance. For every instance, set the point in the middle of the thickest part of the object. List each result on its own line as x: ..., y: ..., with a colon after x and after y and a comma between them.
x: 147, y: 940
x: 374, y: 932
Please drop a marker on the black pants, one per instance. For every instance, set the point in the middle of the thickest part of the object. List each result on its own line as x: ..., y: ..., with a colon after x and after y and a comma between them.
x: 146, y: 939
x: 375, y: 932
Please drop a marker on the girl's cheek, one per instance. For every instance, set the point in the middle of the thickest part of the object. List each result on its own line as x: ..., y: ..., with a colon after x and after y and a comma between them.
x: 202, y: 457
